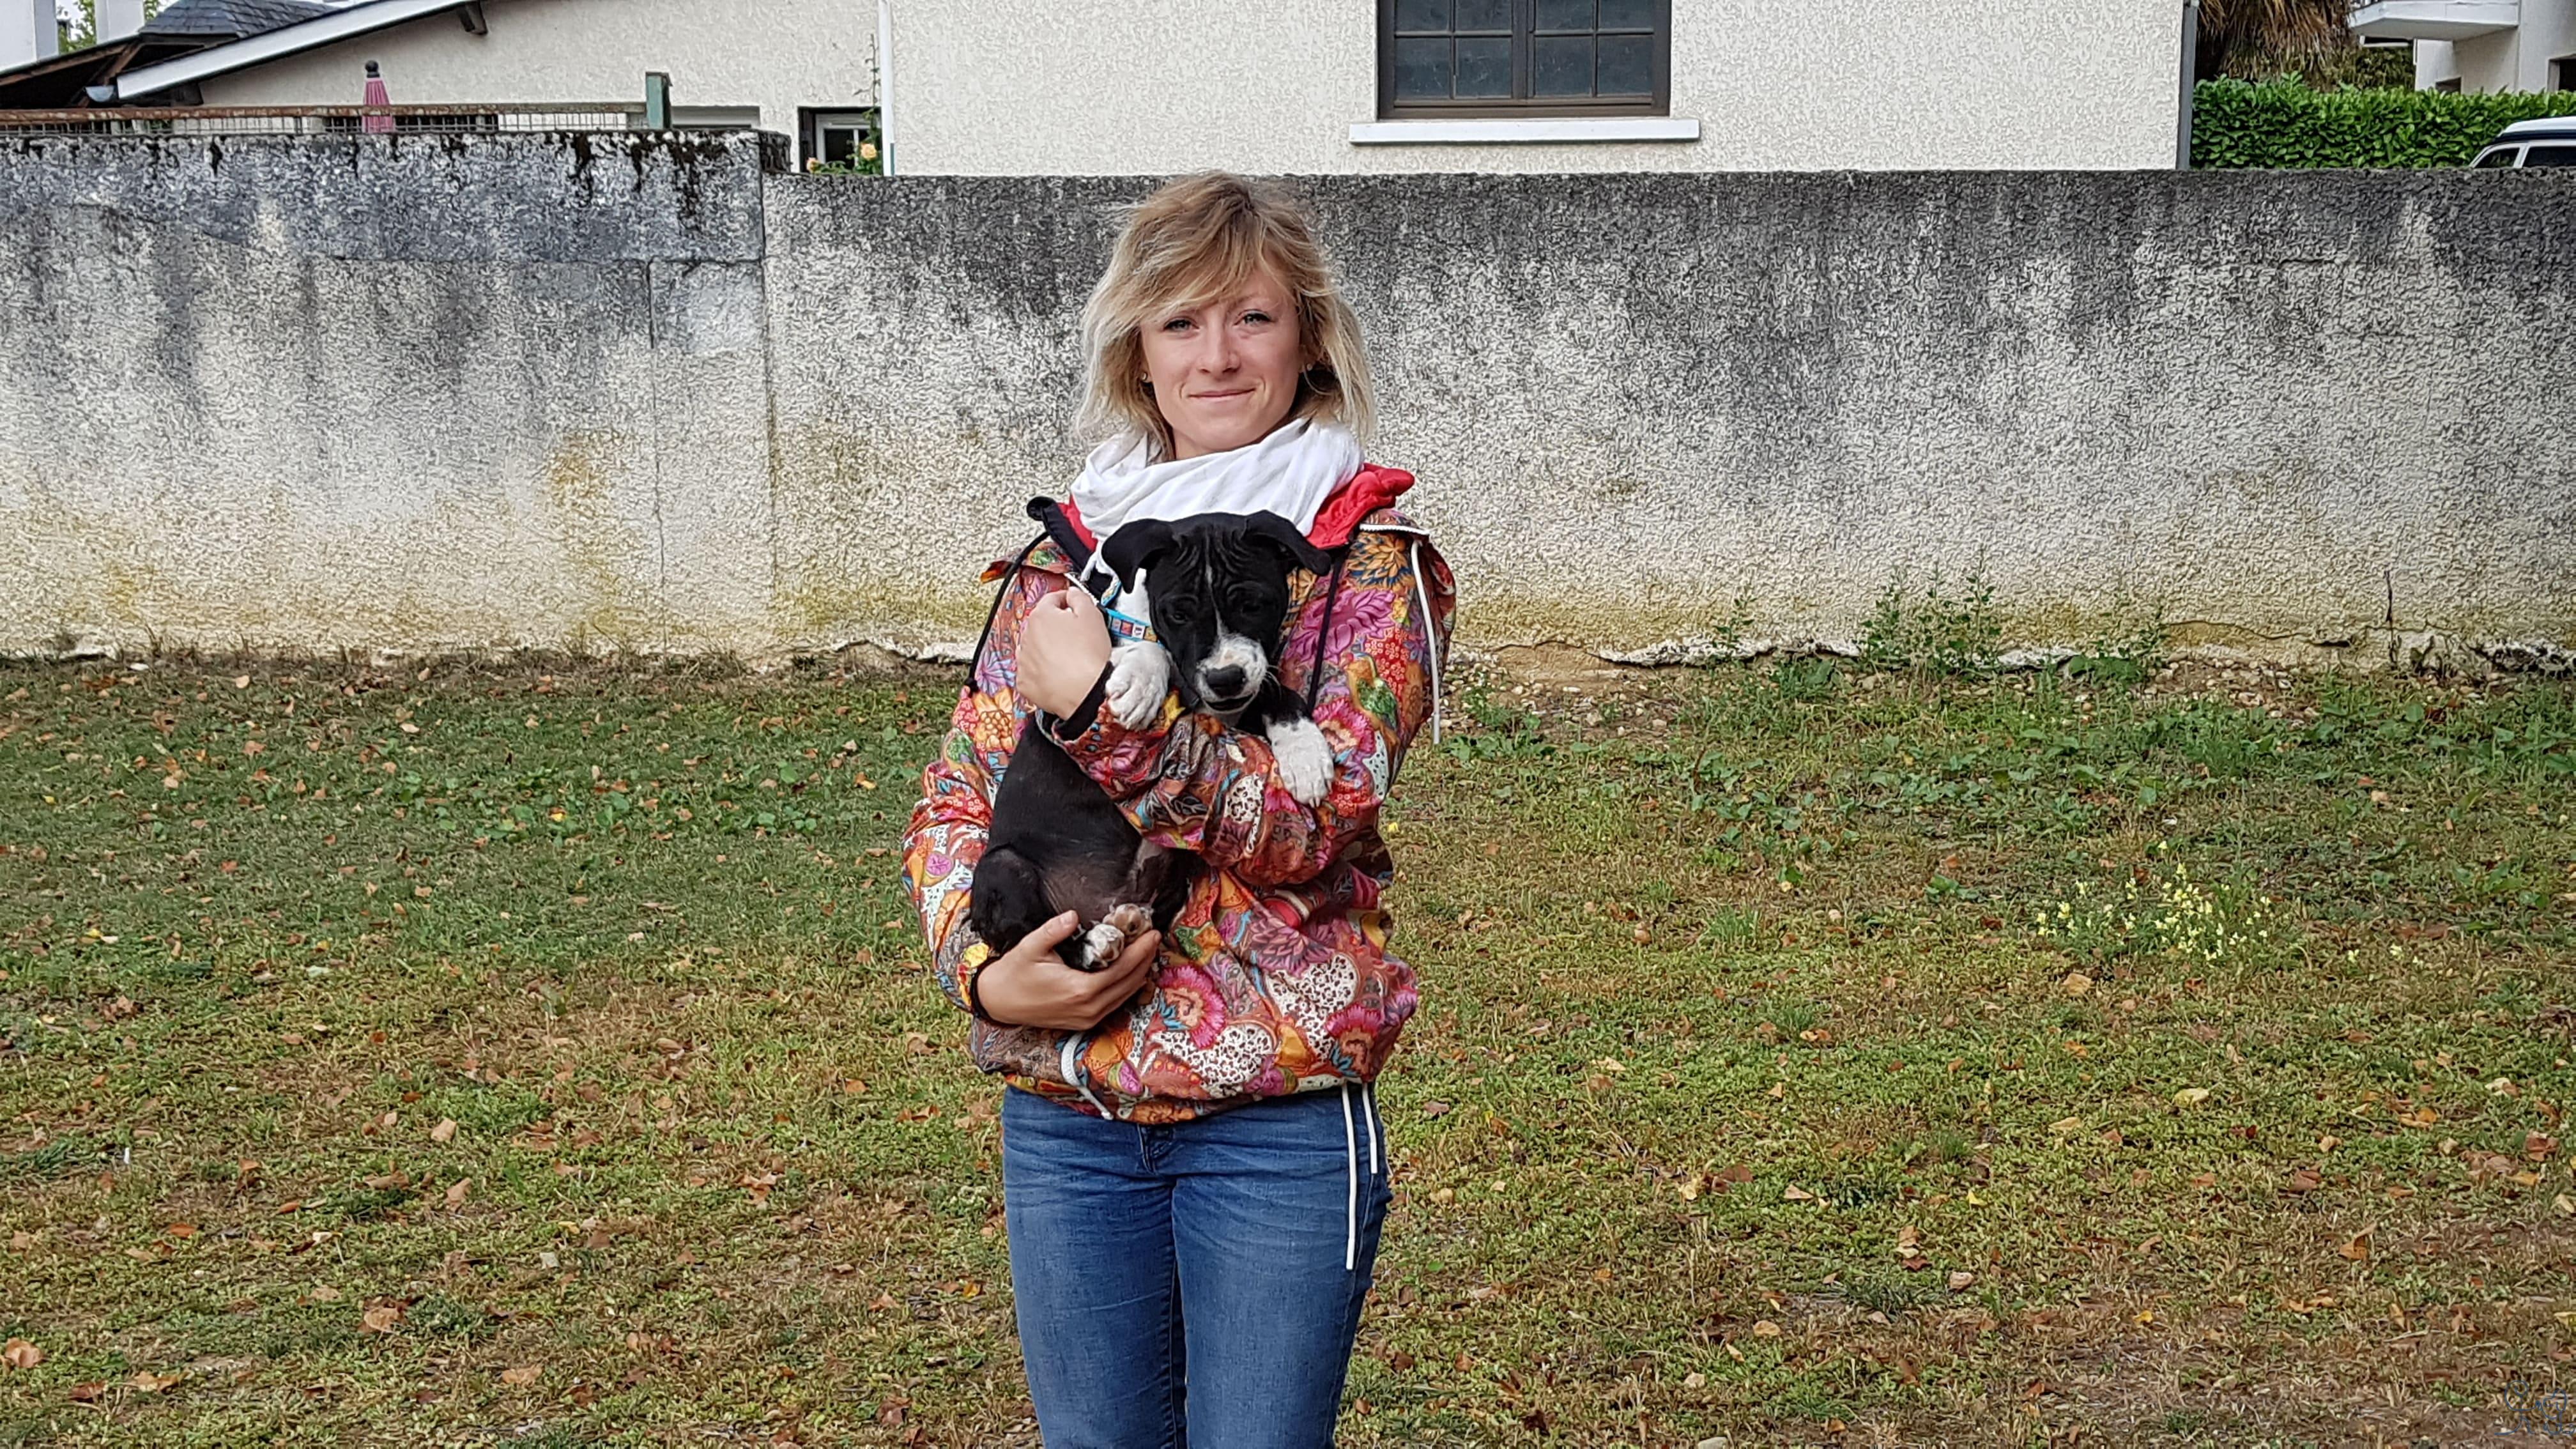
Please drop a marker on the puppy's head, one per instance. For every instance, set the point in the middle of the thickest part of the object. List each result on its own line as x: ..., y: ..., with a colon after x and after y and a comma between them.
x: 1217, y: 588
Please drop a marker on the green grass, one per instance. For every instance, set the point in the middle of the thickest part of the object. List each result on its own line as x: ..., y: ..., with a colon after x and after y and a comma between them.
x: 1799, y: 1062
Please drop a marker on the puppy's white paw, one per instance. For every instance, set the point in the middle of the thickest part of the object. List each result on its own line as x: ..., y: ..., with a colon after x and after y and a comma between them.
x: 1140, y: 675
x: 1305, y: 761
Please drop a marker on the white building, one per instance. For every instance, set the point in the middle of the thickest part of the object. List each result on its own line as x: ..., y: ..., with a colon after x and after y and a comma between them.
x: 2480, y: 45
x: 1285, y: 86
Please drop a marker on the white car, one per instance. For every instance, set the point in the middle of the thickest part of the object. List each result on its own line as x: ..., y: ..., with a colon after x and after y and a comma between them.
x: 2550, y: 142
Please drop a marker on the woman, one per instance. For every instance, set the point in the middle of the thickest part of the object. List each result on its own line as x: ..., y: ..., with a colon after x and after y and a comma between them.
x: 1192, y: 1168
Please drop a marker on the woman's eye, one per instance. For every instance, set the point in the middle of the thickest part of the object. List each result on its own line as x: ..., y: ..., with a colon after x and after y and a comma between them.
x: 1176, y: 324
x: 1256, y: 316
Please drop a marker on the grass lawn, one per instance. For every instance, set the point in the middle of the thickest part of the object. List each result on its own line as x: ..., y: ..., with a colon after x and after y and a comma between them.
x: 473, y: 1057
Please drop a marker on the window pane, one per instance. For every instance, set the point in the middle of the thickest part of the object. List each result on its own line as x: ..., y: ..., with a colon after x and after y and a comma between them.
x: 2549, y: 156
x: 1561, y: 66
x: 1627, y: 15
x: 1422, y: 70
x: 1627, y: 65
x: 839, y: 145
x: 2494, y: 160
x: 1421, y: 14
x: 1484, y: 15
x: 1485, y: 67
x: 1565, y: 15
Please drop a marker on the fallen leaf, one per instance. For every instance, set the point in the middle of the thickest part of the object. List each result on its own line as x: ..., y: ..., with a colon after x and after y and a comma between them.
x: 2191, y: 1096
x: 88, y: 1393
x: 1962, y: 1281
x: 456, y: 1193
x: 2064, y: 1125
x: 152, y: 1383
x: 380, y: 1320
x: 1695, y: 1381
x: 2304, y: 1180
x: 1765, y: 1328
x: 1435, y: 1108
x: 2357, y: 1248
x: 445, y: 1131
x: 18, y: 1353
x: 523, y: 1375
x: 1796, y: 1194
x: 2077, y: 983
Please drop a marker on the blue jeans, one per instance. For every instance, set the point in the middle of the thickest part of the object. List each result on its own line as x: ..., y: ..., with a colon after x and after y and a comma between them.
x: 1193, y: 1284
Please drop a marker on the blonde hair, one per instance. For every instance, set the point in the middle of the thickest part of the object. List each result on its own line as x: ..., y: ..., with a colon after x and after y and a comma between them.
x: 1197, y: 240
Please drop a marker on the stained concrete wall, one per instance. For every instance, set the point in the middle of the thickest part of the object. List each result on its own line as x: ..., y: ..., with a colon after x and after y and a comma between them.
x: 423, y: 394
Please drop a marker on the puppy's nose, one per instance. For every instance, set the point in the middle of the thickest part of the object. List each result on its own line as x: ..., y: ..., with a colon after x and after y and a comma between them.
x: 1225, y: 682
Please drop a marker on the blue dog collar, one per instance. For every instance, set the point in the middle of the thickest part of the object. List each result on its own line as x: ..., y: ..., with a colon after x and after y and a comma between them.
x: 1127, y: 627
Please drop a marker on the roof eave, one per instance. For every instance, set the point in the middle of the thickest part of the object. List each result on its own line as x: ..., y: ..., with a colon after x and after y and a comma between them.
x: 277, y: 44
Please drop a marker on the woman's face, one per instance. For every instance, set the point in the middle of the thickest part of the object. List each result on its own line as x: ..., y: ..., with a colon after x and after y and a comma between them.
x: 1225, y: 375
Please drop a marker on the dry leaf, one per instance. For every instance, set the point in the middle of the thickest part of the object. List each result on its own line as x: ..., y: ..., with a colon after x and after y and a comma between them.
x: 152, y: 1383
x: 1766, y: 1329
x: 456, y: 1193
x: 2064, y: 1125
x: 1695, y: 1381
x: 20, y: 1354
x: 379, y: 1320
x: 88, y: 1393
x: 2077, y: 983
x: 1795, y: 1194
x: 523, y: 1375
x: 1962, y: 1281
x: 444, y: 1132
x: 2191, y: 1096
x: 2304, y: 1180
x: 2357, y: 1248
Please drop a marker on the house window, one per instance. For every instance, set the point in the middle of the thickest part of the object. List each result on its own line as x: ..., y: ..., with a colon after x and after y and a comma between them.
x: 2566, y: 67
x: 842, y: 140
x: 1524, y: 58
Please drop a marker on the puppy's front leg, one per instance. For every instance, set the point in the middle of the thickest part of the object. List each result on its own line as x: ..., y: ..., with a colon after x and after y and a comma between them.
x: 1140, y: 674
x: 1305, y: 761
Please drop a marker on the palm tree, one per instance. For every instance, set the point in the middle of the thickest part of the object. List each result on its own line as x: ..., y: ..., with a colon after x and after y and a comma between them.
x: 2259, y: 39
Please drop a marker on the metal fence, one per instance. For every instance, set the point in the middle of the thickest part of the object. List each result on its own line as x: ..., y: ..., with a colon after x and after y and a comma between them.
x: 322, y: 120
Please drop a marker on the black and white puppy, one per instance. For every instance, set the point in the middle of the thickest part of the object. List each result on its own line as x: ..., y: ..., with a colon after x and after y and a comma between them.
x: 1215, y: 589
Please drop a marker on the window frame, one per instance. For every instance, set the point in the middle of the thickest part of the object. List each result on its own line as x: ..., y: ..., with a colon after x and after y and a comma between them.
x: 1522, y: 108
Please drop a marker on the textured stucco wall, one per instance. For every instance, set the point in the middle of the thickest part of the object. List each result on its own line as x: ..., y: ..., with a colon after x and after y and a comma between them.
x: 777, y: 55
x: 1016, y: 87
x: 422, y: 394
x: 409, y: 392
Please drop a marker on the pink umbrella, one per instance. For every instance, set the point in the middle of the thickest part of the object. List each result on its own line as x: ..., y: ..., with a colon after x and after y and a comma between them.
x: 377, y: 95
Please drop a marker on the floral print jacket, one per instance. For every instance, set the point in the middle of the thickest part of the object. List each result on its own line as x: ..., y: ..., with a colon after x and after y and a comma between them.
x: 1275, y: 977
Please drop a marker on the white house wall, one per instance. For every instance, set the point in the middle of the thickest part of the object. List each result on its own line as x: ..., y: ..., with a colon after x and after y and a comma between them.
x: 777, y: 55
x: 2548, y: 34
x: 1023, y: 86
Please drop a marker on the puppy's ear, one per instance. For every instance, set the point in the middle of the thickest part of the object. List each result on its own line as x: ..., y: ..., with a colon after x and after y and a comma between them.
x: 1136, y: 546
x: 1278, y: 532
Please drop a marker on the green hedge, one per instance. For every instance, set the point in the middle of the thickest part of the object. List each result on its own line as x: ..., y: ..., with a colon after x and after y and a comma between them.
x: 2283, y: 123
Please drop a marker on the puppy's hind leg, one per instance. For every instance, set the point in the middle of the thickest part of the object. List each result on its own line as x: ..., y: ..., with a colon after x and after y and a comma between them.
x: 1104, y: 943
x: 1008, y: 900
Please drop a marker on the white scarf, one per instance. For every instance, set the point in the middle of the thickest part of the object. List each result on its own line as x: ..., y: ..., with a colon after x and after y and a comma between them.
x: 1290, y: 473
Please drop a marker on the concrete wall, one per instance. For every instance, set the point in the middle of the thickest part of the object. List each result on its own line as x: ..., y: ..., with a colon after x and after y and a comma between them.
x: 432, y: 393
x: 999, y: 87
x: 776, y: 56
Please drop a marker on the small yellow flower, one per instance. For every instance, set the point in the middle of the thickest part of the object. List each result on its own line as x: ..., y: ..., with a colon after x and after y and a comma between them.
x: 867, y: 150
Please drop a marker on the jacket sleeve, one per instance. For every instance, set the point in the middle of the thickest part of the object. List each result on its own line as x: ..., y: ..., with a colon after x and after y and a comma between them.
x: 1190, y: 783
x: 945, y: 840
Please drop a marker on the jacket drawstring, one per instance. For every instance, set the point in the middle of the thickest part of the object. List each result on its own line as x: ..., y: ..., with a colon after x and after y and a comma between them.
x: 1351, y: 1156
x: 1430, y: 633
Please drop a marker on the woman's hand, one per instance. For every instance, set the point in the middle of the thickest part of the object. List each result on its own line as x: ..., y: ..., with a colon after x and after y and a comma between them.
x: 1029, y: 985
x: 1064, y: 646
